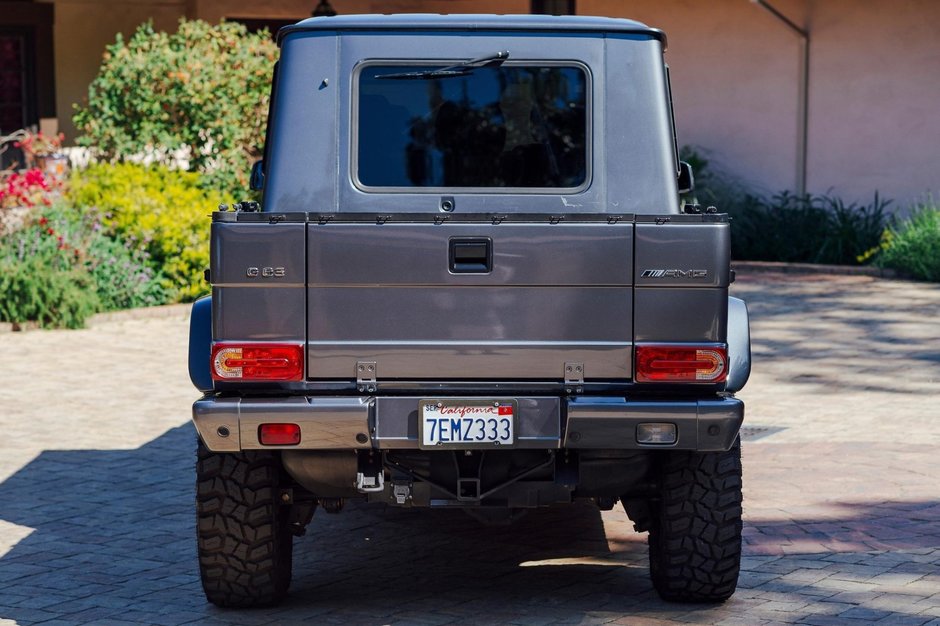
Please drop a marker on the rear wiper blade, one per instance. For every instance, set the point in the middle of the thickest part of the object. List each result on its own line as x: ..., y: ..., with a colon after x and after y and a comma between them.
x: 461, y: 69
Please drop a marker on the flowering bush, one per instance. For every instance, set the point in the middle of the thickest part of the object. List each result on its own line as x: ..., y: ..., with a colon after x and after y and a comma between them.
x: 64, y: 267
x: 29, y: 189
x: 42, y: 281
x: 39, y: 144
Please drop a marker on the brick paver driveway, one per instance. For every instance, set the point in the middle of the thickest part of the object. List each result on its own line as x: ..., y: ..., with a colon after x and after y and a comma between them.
x: 842, y: 490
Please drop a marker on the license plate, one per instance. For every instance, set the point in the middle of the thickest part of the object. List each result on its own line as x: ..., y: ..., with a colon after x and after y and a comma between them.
x: 466, y: 423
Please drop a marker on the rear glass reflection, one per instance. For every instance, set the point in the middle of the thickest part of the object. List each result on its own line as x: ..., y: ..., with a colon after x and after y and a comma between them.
x: 507, y: 127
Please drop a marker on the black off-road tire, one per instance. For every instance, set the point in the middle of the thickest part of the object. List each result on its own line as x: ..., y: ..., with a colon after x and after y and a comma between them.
x: 243, y: 538
x: 695, y: 526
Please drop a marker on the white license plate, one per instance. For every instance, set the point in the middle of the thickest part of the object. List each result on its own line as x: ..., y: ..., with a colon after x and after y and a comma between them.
x: 466, y: 423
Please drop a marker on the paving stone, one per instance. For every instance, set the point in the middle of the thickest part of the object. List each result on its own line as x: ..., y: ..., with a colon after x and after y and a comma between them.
x: 903, y: 620
x: 830, y: 620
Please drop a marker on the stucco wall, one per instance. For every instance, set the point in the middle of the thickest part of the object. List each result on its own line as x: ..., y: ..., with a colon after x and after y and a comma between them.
x: 875, y: 100
x: 431, y: 6
x: 874, y: 117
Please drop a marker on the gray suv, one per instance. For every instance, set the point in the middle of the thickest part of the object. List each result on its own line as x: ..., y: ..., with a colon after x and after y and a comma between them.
x: 472, y: 284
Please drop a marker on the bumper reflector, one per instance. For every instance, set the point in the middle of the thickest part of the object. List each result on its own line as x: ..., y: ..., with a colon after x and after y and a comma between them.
x: 695, y: 364
x: 661, y: 433
x: 259, y: 361
x: 279, y: 434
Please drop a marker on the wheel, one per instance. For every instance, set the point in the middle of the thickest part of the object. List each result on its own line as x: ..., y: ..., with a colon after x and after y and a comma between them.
x: 695, y: 526
x: 242, y: 531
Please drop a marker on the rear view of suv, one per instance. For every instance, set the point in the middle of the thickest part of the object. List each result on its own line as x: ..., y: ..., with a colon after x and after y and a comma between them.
x: 472, y: 284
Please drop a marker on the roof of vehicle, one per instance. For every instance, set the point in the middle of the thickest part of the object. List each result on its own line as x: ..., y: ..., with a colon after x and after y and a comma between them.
x: 428, y: 21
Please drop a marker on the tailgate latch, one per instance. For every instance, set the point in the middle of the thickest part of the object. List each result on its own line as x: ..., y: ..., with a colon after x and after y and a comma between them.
x: 574, y: 376
x: 365, y: 375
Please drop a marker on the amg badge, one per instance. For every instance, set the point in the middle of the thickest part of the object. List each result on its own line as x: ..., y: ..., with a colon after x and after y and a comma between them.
x: 674, y: 274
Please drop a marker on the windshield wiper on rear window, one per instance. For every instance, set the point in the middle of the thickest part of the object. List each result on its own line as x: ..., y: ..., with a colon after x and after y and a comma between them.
x: 461, y: 69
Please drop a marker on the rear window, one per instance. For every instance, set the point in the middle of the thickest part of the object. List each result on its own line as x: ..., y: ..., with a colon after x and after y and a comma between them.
x: 513, y: 126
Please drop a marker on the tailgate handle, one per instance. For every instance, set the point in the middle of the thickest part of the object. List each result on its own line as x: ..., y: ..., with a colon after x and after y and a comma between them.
x: 471, y: 255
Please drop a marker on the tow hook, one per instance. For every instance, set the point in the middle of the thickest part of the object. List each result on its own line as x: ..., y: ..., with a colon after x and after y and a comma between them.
x: 369, y: 483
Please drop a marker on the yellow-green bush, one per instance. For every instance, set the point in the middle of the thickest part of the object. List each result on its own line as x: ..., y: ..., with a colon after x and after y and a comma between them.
x: 161, y: 210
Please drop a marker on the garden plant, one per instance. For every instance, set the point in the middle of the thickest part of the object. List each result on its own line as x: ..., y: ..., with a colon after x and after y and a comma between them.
x: 203, y: 89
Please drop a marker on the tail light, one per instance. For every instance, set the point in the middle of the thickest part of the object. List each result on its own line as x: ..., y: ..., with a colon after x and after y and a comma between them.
x: 257, y: 361
x: 694, y: 364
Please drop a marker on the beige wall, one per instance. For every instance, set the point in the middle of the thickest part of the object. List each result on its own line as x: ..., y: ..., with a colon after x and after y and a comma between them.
x: 215, y: 10
x: 874, y: 108
x: 875, y: 99
x: 431, y: 6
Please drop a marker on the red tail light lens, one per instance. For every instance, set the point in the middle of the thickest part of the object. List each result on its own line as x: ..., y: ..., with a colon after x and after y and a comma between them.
x: 279, y: 434
x: 695, y: 364
x: 257, y: 361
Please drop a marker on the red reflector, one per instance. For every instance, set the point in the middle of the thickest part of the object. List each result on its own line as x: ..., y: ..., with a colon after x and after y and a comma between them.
x: 257, y: 361
x: 701, y: 364
x: 279, y: 434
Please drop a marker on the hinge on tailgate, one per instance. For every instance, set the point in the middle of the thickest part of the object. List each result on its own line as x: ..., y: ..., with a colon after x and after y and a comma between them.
x: 574, y: 376
x: 365, y: 375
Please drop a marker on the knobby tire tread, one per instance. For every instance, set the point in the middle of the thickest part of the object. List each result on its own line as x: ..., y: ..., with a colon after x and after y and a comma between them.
x: 695, y: 533
x: 243, y: 540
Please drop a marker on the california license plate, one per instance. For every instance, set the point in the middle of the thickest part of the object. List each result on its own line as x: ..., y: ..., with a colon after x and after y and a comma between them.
x: 466, y: 423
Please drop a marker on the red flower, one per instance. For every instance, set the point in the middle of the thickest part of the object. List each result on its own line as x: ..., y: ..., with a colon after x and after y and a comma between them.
x: 43, y: 221
x: 50, y: 231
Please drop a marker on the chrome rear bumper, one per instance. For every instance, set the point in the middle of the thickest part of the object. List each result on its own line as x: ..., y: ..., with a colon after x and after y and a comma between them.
x: 583, y: 422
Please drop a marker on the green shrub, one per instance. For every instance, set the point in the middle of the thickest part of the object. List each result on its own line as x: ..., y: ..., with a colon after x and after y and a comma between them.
x: 203, y: 87
x: 163, y: 211
x: 41, y: 281
x: 58, y: 299
x: 63, y: 267
x: 805, y: 229
x: 913, y: 246
x: 788, y: 227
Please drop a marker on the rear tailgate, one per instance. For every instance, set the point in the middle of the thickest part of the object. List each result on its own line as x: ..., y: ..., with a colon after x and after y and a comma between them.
x: 487, y: 300
x: 470, y: 301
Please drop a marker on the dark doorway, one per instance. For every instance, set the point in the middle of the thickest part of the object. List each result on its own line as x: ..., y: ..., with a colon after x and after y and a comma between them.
x: 553, y: 7
x: 17, y: 89
x: 27, y: 80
